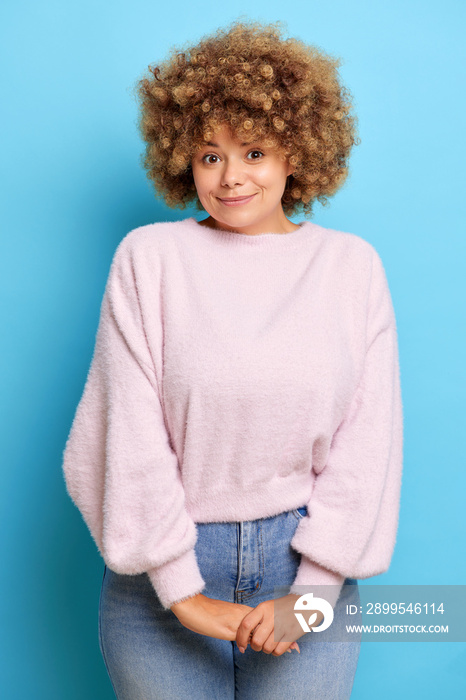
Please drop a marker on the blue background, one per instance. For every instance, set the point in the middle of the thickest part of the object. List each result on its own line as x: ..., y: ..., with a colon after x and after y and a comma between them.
x: 72, y: 187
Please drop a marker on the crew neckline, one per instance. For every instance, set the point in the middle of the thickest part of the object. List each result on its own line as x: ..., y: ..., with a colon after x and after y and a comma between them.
x: 258, y: 240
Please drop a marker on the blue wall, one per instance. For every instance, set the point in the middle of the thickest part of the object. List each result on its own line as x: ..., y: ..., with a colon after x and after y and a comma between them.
x: 72, y: 187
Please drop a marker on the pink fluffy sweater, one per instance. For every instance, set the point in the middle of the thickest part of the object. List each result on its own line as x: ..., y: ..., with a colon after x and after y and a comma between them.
x: 235, y: 377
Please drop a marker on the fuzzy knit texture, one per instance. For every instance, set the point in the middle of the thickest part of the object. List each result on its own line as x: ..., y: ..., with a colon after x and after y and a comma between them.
x: 235, y: 377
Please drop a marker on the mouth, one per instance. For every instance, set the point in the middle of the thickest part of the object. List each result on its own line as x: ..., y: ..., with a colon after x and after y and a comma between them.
x: 235, y: 201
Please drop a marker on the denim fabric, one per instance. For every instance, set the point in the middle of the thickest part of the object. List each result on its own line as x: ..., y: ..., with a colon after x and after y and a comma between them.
x: 149, y: 655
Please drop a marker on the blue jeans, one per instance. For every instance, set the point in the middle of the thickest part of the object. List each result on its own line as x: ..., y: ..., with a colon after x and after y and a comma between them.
x: 150, y: 655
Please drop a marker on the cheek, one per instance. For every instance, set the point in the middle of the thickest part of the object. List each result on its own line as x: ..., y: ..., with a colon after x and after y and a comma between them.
x: 273, y: 176
x: 202, y: 182
x: 195, y: 173
x: 198, y: 184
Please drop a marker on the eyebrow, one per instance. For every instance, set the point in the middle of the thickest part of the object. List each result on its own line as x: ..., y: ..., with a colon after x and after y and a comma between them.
x: 215, y: 145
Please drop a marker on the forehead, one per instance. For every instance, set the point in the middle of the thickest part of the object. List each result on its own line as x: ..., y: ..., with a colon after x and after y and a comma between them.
x: 225, y: 136
x: 228, y: 139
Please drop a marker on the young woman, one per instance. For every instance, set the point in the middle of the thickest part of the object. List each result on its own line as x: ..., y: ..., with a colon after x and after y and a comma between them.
x: 239, y: 439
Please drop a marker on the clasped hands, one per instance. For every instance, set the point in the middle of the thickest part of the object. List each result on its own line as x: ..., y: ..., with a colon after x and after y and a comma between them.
x: 261, y: 626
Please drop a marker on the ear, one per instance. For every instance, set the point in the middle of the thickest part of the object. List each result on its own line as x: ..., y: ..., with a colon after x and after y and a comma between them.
x: 290, y: 170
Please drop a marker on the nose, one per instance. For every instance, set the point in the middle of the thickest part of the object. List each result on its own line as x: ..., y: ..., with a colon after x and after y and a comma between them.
x: 232, y: 173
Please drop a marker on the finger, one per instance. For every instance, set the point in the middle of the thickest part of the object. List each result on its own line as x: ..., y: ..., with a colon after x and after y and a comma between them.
x: 318, y: 619
x: 283, y: 647
x: 270, y: 643
x: 263, y: 636
x: 246, y: 626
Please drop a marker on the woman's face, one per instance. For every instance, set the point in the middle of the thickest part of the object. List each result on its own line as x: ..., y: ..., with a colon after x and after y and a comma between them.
x: 241, y: 185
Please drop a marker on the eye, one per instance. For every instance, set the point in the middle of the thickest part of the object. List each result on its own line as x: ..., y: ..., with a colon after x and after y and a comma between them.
x: 255, y: 155
x: 209, y: 156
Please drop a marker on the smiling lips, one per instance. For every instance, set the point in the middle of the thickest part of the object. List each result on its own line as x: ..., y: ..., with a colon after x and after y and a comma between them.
x: 235, y: 201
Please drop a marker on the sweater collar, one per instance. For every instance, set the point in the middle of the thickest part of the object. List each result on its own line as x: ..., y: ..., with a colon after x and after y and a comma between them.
x: 303, y: 234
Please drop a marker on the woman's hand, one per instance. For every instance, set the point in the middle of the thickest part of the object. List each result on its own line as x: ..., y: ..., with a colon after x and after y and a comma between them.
x: 211, y: 617
x: 272, y: 626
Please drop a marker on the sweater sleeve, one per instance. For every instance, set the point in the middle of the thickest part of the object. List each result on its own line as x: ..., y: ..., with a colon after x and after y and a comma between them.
x: 352, y: 520
x: 119, y: 467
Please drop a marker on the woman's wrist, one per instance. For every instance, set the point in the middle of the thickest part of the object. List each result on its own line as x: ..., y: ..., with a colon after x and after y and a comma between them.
x: 187, y: 602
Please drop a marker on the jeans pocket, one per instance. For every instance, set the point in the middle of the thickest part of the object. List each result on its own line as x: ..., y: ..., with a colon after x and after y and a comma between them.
x: 300, y: 513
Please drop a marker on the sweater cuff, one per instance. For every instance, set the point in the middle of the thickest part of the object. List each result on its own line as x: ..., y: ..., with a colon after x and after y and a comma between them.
x: 322, y: 582
x: 177, y: 580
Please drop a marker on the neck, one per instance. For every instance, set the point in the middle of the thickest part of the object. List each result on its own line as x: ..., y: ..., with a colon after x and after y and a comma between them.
x: 283, y: 225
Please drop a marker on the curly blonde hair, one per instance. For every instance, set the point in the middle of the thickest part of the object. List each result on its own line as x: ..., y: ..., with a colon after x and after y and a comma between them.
x: 267, y: 88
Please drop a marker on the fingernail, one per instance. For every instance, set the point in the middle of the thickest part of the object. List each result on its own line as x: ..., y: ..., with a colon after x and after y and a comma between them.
x: 242, y: 649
